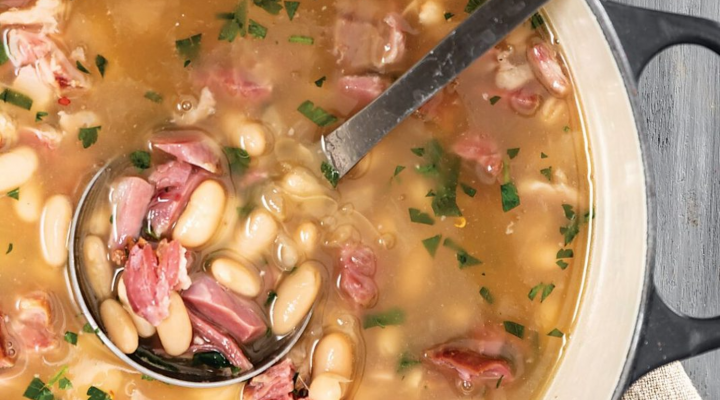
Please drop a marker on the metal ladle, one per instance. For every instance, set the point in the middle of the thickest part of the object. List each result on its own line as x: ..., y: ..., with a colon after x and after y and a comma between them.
x: 344, y: 147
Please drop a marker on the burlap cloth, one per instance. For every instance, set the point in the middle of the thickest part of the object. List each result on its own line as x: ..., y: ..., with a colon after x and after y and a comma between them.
x: 665, y: 383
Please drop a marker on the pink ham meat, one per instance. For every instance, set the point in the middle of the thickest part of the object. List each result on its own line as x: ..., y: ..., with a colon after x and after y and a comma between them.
x: 234, y: 82
x: 365, y: 44
x: 524, y: 103
x: 130, y: 198
x: 274, y: 384
x: 14, y: 3
x: 175, y: 182
x: 191, y: 147
x: 8, y: 350
x: 469, y: 365
x: 544, y: 62
x: 363, y: 88
x: 357, y: 269
x: 149, y: 280
x: 208, y: 338
x: 34, y: 322
x: 239, y: 317
x: 482, y: 151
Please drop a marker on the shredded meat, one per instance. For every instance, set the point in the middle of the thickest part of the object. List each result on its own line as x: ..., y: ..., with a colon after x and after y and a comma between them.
x: 274, y: 384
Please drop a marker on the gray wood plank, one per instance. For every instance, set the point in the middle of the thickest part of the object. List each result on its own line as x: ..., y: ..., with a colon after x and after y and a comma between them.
x: 680, y: 97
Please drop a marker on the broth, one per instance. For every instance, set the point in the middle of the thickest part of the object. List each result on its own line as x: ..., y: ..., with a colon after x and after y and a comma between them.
x: 501, y: 281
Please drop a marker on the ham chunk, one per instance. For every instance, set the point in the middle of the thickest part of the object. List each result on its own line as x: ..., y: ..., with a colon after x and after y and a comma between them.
x: 34, y: 322
x: 8, y: 351
x: 357, y: 269
x: 239, y: 317
x: 236, y: 83
x: 208, y: 338
x: 482, y: 151
x: 367, y: 44
x: 45, y: 14
x: 469, y: 365
x: 130, y: 198
x: 191, y: 147
x: 149, y: 280
x: 363, y: 88
x: 175, y: 182
x: 544, y: 62
x: 171, y: 174
x: 274, y: 384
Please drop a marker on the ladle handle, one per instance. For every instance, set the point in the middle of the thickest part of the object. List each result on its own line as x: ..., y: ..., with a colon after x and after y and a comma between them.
x: 482, y: 30
x: 666, y: 335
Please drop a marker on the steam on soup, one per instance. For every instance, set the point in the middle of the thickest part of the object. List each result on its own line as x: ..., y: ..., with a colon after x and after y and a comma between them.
x: 448, y: 263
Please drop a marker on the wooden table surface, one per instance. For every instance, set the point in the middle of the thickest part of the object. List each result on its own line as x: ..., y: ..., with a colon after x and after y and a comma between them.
x: 680, y: 97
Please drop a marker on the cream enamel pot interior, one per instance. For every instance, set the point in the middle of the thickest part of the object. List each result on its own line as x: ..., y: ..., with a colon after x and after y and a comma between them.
x: 623, y: 328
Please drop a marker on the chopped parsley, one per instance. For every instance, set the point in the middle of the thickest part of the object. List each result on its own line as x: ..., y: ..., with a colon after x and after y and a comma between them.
x: 448, y: 15
x: 465, y: 260
x: 556, y: 333
x: 543, y: 289
x: 406, y: 362
x: 571, y: 229
x: 88, y: 329
x: 56, y: 377
x: 189, y: 48
x: 509, y: 196
x: 257, y: 30
x: 101, y: 63
x: 499, y: 382
x: 64, y: 383
x: 566, y: 128
x: 81, y: 67
x: 320, y: 81
x: 37, y: 390
x: 431, y: 244
x: 147, y: 378
x: 88, y: 136
x: 512, y: 153
x: 514, y: 329
x: 568, y: 209
x: 547, y: 173
x: 420, y: 217
x: 494, y: 100
x: 472, y: 5
x: 291, y: 8
x: 536, y: 21
x: 301, y: 39
x: 562, y: 264
x: 155, y: 97
x: 534, y: 291
x: 3, y: 54
x: 565, y: 253
x: 245, y: 210
x: 485, y: 293
x: 316, y: 114
x: 398, y: 170
x: 238, y: 159
x: 547, y: 290
x: 212, y: 359
x: 430, y: 193
x: 71, y: 337
x: 15, y: 193
x: 140, y: 159
x: 16, y: 98
x: 9, y: 249
x: 97, y: 394
x: 418, y: 151
x: 271, y: 6
x: 393, y: 316
x: 469, y: 190
x: 447, y: 168
x: 272, y: 295
x: 543, y: 155
x: 236, y: 23
x: 40, y: 115
x: 330, y: 173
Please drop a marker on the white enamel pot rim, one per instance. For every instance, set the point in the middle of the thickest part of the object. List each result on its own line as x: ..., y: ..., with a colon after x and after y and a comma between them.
x: 623, y: 329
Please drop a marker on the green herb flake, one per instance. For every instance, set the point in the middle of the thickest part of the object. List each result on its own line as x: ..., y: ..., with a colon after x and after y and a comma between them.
x: 226, y: 16
x: 189, y: 48
x: 71, y: 337
x: 140, y: 159
x: 514, y: 329
x: 562, y: 264
x: 9, y: 249
x: 464, y: 258
x: 230, y: 31
x: 316, y: 114
x: 512, y: 153
x: 445, y: 202
x: 245, y: 210
x: 271, y: 6
x: 238, y: 159
x: 473, y: 5
x: 301, y: 39
x: 319, y: 82
x: 569, y: 213
x: 101, y: 63
x: 3, y: 54
x: 272, y: 295
x: 406, y: 362
x: 543, y: 155
x: 97, y: 394
x: 37, y: 390
x: 566, y: 129
x: 88, y: 329
x: 40, y: 115
x: 535, y: 290
x: 418, y: 151
x: 431, y: 244
x: 430, y: 193
x: 556, y: 333
x: 494, y: 100
x: 547, y: 290
x: 16, y: 98
x: 429, y: 169
x: 88, y: 136
x: 330, y: 173
x: 448, y: 15
x: 485, y: 293
x: 570, y: 231
x: 56, y: 377
x: 147, y: 378
x: 499, y: 382
x: 420, y: 217
x: 14, y: 194
x: 509, y: 196
x: 155, y: 97
x: 291, y: 8
x: 257, y: 30
x: 394, y: 316
x: 565, y: 253
x: 81, y: 67
x: 536, y: 21
x: 64, y: 383
x: 469, y: 190
x: 186, y: 63
x: 547, y: 173
x: 398, y: 170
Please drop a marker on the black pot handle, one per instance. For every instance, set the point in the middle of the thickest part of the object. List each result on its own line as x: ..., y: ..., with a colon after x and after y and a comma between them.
x: 666, y: 335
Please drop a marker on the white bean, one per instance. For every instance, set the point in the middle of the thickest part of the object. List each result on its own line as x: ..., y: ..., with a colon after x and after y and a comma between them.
x: 274, y: 201
x: 145, y: 329
x: 301, y: 182
x: 431, y: 13
x: 286, y: 253
x: 175, y: 331
x: 257, y: 233
x: 326, y: 387
x: 29, y: 204
x: 119, y: 326
x: 54, y: 226
x: 334, y: 354
x: 236, y: 276
x: 251, y: 136
x: 295, y: 296
x: 17, y: 167
x: 201, y: 217
x: 97, y: 265
x: 307, y: 236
